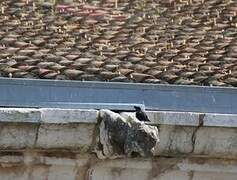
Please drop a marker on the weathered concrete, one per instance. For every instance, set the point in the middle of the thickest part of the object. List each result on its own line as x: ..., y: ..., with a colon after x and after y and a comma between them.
x: 56, y: 144
x: 206, y: 141
x: 33, y: 165
x: 175, y: 140
x: 192, y: 118
x: 174, y: 118
x: 70, y: 136
x: 124, y: 136
x: 219, y: 142
x: 165, y: 169
x: 46, y: 136
x: 17, y: 136
x: 20, y: 115
x: 220, y: 120
x: 68, y: 116
x: 57, y: 115
x: 48, y: 115
x: 180, y: 132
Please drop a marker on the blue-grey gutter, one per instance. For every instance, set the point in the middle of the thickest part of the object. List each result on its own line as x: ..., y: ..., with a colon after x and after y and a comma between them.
x: 121, y: 96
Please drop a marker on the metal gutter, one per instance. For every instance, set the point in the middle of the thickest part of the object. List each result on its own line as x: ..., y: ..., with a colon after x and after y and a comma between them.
x: 76, y: 94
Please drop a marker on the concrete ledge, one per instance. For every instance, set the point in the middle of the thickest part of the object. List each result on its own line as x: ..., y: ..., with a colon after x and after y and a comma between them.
x: 65, y: 116
x: 181, y: 133
x: 220, y: 120
x: 192, y: 119
x: 20, y: 115
x: 174, y: 118
x: 68, y: 116
x: 48, y: 115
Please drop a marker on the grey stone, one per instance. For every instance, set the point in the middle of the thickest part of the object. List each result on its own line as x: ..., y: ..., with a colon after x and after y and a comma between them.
x: 19, y: 115
x: 175, y: 140
x: 124, y: 137
x: 174, y: 118
x: 216, y: 142
x: 220, y: 120
x: 54, y: 115
x: 65, y: 136
x: 17, y: 136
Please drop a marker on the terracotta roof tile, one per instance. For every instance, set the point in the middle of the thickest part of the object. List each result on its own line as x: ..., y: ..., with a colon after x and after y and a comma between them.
x: 176, y: 42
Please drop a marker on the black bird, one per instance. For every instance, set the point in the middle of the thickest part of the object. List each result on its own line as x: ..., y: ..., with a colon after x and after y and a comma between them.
x: 141, y: 115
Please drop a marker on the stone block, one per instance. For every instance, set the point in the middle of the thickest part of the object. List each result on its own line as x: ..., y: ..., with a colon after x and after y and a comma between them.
x: 65, y: 136
x: 220, y: 120
x: 174, y: 140
x: 68, y: 116
x: 20, y: 115
x: 219, y: 142
x: 17, y: 135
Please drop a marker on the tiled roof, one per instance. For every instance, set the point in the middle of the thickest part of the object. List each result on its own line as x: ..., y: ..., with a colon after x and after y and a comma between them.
x: 148, y: 41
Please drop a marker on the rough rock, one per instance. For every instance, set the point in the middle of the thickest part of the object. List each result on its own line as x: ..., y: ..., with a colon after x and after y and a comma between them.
x: 124, y: 136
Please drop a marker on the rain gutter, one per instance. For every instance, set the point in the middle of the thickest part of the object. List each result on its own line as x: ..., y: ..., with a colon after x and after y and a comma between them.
x: 30, y: 93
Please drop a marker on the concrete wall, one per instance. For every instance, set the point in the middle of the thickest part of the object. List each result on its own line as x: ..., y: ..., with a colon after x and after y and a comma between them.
x: 56, y: 144
x: 31, y: 165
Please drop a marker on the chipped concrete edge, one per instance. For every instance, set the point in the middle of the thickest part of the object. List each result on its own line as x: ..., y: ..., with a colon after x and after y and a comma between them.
x: 193, y: 119
x: 48, y: 115
x: 89, y: 116
x: 181, y: 133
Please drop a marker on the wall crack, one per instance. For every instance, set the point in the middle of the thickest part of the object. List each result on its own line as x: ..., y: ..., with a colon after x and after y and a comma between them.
x: 36, y: 135
x: 194, y: 134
